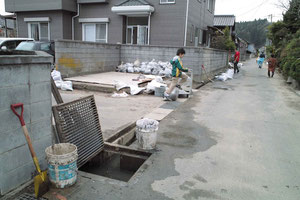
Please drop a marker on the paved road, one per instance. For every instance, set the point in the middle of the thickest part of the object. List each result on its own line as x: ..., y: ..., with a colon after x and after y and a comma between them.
x: 234, y: 140
x: 247, y: 144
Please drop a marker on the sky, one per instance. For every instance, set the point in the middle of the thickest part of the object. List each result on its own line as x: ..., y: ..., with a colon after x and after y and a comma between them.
x: 249, y: 10
x: 244, y: 10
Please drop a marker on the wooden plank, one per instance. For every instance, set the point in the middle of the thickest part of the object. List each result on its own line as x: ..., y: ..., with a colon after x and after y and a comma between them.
x: 55, y: 92
x: 116, y: 148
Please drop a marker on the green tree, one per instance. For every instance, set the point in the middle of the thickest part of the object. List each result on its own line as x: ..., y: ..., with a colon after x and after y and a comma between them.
x: 285, y: 37
x: 223, y: 41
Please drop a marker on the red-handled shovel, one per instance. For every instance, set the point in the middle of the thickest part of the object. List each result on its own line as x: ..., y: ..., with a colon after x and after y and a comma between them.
x: 41, y: 182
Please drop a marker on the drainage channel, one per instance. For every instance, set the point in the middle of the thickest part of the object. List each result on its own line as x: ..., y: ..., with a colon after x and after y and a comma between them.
x: 120, y: 159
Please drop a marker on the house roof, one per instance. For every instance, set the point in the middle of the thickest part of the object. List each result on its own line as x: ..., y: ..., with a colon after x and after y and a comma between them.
x: 133, y: 3
x: 224, y: 20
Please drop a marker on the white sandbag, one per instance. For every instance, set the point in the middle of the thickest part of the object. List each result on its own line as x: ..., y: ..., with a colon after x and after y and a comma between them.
x: 120, y: 85
x: 153, y: 84
x: 130, y: 69
x: 67, y: 85
x: 122, y: 95
x: 135, y: 89
x: 230, y: 73
x: 240, y: 65
x: 56, y: 75
x: 58, y: 83
x: 137, y: 63
x: 159, y: 79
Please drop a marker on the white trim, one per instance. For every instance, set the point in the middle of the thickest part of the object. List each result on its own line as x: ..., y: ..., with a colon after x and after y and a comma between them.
x: 167, y: 2
x: 37, y: 19
x: 93, y: 20
x: 186, y: 21
x: 132, y: 10
x: 149, y: 26
x: 73, y: 21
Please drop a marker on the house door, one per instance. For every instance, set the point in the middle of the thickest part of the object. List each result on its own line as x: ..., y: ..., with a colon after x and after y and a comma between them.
x: 137, y: 35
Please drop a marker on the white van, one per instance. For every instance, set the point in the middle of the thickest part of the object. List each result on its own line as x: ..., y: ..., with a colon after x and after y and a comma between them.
x: 12, y: 43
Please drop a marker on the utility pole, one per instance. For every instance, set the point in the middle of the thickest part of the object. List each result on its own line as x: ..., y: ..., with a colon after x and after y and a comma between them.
x: 271, y: 16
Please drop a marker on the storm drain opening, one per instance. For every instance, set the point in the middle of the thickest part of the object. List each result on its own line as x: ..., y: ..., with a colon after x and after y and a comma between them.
x: 116, y: 162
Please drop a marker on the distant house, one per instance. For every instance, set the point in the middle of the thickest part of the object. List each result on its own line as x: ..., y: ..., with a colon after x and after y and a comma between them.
x: 223, y: 21
x: 144, y: 22
x: 8, y: 26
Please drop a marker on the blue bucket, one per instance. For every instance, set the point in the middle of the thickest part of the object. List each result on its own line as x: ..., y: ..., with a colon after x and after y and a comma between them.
x: 62, y: 164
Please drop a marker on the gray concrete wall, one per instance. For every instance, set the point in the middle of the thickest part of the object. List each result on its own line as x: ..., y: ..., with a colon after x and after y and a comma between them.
x: 214, y: 60
x: 77, y: 58
x: 24, y: 79
x: 39, y: 5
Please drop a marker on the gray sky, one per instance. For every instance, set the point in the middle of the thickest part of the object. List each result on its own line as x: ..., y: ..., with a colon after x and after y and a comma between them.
x: 244, y: 10
x: 248, y: 10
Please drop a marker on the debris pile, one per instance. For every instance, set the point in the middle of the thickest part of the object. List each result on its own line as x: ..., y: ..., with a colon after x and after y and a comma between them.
x: 155, y: 68
x: 63, y: 85
x: 224, y: 76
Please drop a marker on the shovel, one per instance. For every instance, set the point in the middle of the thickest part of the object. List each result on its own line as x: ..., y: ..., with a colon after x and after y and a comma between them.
x: 206, y: 74
x: 41, y: 182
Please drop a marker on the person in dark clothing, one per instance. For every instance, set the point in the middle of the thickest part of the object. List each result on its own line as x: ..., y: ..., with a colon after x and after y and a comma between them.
x: 236, y: 61
x: 272, y: 63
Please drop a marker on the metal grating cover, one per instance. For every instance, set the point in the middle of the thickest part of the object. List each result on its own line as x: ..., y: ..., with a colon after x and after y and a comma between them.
x: 26, y: 196
x: 78, y: 123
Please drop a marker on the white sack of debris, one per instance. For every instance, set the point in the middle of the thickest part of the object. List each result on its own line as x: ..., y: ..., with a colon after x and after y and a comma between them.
x: 64, y: 85
x: 155, y: 68
x: 224, y: 76
x: 122, y: 95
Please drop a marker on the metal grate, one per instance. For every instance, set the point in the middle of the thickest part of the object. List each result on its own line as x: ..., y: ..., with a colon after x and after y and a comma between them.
x: 26, y: 196
x: 78, y: 123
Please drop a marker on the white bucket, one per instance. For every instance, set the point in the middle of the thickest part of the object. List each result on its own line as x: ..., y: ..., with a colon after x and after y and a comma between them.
x: 146, y: 133
x: 62, y: 164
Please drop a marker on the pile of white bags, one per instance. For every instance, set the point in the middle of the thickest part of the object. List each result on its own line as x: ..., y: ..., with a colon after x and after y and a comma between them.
x: 224, y: 76
x: 64, y: 85
x: 153, y: 67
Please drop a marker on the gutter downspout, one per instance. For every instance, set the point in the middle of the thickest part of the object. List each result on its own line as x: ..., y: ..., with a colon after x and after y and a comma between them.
x: 149, y: 27
x: 73, y: 21
x: 186, y: 20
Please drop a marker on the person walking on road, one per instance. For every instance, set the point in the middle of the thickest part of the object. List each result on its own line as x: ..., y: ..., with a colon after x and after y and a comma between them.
x: 261, y: 59
x: 236, y: 61
x: 272, y: 63
x: 177, y: 73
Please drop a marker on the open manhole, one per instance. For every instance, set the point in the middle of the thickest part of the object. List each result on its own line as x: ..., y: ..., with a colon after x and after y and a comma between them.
x: 115, y: 166
x: 120, y: 159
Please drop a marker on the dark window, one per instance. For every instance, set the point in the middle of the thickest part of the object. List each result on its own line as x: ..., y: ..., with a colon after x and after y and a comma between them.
x: 10, y: 44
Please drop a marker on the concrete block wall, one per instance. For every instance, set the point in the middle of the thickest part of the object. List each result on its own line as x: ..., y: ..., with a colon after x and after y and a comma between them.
x: 214, y: 60
x: 78, y: 58
x: 25, y: 79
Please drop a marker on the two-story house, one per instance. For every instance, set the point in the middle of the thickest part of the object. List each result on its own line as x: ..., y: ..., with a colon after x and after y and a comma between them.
x: 154, y: 22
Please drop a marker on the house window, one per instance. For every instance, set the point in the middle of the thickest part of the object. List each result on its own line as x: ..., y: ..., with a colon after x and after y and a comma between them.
x: 39, y: 30
x: 210, y: 4
x: 94, y: 32
x: 167, y: 1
